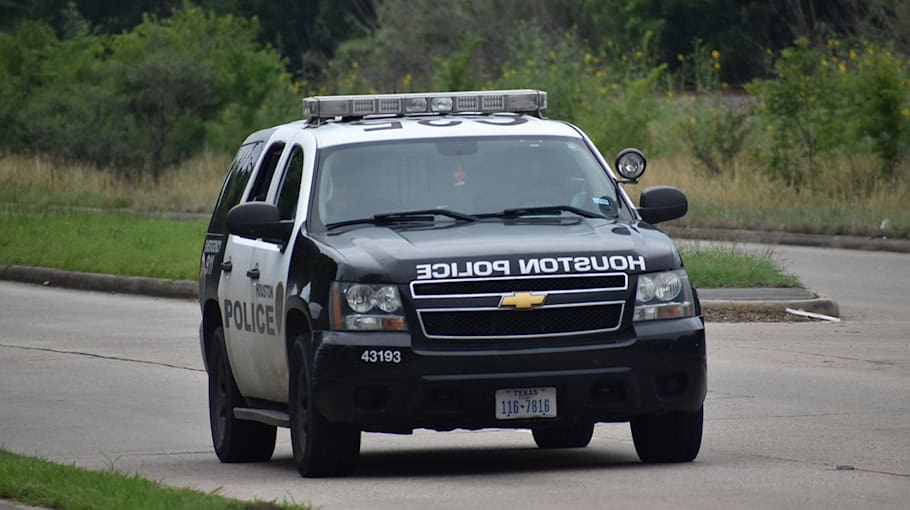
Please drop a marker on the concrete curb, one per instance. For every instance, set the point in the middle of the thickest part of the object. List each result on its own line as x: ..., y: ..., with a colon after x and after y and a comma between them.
x: 177, y: 289
x: 789, y: 238
x: 820, y: 305
x: 187, y: 289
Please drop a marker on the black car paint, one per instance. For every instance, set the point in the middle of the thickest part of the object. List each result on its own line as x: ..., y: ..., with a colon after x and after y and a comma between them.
x: 635, y: 354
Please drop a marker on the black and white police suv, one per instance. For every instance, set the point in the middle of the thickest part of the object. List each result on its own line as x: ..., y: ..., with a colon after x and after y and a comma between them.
x: 442, y: 261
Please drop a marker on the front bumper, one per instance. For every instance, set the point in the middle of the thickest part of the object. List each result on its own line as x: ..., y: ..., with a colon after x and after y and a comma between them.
x: 661, y: 369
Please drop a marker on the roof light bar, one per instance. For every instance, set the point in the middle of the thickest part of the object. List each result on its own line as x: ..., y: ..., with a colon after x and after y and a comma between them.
x: 494, y: 101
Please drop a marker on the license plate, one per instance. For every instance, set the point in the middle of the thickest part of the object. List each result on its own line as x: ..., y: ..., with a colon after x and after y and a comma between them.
x: 517, y: 403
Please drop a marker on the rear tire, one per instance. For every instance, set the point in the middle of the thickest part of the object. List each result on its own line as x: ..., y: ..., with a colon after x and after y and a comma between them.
x: 671, y: 437
x: 321, y: 448
x: 234, y: 440
x: 569, y: 436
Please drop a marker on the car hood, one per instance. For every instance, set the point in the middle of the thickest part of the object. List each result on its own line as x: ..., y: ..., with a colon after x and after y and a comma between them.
x: 405, y: 253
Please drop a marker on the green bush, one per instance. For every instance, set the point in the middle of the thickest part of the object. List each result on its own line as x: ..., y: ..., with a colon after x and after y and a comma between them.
x: 143, y: 99
x: 612, y: 96
x: 879, y: 87
x: 828, y: 102
x: 716, y: 132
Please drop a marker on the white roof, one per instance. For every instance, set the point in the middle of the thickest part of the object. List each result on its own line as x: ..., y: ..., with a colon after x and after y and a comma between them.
x: 406, y: 128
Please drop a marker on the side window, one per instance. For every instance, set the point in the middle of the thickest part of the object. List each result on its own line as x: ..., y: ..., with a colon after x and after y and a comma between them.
x: 264, y: 177
x: 290, y: 186
x: 234, y: 183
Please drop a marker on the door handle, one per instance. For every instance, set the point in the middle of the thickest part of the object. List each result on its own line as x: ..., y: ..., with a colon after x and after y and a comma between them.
x: 227, y: 266
x: 253, y: 273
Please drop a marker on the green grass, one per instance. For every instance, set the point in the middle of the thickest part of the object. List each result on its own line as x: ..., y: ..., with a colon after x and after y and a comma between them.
x: 103, y: 243
x: 731, y: 267
x: 39, y: 482
x: 165, y: 248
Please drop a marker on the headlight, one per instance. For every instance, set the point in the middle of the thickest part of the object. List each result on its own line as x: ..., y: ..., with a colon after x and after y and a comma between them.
x: 358, y: 306
x: 664, y: 295
x: 359, y: 298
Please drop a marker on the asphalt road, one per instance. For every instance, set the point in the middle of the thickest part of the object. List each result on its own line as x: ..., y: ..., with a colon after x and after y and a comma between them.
x: 115, y: 381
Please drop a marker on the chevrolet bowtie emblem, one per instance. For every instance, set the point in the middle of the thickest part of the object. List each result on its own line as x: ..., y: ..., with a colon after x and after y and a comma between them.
x: 522, y: 300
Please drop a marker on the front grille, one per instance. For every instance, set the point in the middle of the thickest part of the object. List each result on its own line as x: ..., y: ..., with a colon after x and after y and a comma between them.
x: 546, y: 321
x: 463, y: 287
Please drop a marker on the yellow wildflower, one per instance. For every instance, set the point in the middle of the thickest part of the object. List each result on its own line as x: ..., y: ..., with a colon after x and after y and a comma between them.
x: 649, y: 34
x: 852, y: 55
x: 637, y: 54
x: 824, y: 63
x: 769, y: 128
x: 715, y: 54
x: 355, y: 65
x: 680, y: 57
x: 552, y: 55
x: 716, y: 66
x: 406, y: 81
x: 841, y: 68
x: 905, y: 112
x: 693, y: 121
x: 830, y: 42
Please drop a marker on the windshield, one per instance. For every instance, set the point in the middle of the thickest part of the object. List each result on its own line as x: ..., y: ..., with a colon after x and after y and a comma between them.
x: 471, y: 176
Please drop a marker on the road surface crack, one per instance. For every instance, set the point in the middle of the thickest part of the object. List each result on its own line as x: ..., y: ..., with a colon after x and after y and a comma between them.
x: 102, y: 356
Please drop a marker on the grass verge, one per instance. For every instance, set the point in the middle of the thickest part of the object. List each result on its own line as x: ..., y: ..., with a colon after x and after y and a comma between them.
x: 165, y: 248
x: 841, y: 199
x: 729, y: 266
x: 838, y: 201
x: 40, y: 482
x: 103, y: 243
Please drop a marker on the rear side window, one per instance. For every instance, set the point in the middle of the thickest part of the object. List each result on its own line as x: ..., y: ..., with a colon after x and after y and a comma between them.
x: 234, y: 184
x: 266, y: 171
x: 290, y: 185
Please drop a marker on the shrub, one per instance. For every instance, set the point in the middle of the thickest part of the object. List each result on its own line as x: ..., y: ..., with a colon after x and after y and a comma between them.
x: 716, y: 132
x: 147, y: 98
x: 826, y: 102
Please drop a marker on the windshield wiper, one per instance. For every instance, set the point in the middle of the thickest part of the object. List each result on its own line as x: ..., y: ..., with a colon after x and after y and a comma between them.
x: 425, y: 214
x: 542, y: 210
x: 404, y: 216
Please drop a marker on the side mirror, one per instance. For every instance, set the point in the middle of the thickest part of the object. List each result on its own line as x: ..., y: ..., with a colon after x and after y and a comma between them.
x: 662, y: 203
x: 258, y: 220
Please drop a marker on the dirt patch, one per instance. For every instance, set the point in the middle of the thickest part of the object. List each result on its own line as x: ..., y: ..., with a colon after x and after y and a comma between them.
x: 734, y: 315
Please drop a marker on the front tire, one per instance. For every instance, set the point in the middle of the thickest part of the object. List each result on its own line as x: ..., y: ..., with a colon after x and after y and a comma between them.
x: 570, y: 436
x: 671, y: 437
x: 321, y: 448
x: 234, y: 440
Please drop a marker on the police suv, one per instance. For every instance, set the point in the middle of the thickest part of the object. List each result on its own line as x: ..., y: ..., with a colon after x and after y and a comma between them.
x: 442, y: 261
